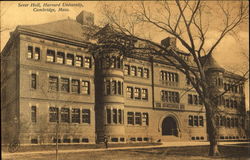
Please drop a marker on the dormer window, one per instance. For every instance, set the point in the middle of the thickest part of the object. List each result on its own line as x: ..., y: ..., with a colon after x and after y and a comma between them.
x: 70, y: 59
x: 79, y: 61
x: 50, y: 55
x: 60, y: 58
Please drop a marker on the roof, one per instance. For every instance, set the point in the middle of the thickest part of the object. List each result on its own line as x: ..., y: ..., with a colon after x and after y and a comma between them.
x: 209, y: 63
x: 66, y: 28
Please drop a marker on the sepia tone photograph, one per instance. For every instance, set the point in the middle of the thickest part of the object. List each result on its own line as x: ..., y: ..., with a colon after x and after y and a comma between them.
x: 124, y: 80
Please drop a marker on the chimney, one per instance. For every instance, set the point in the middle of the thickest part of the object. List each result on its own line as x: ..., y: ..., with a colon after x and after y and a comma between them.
x: 85, y: 18
x: 169, y: 41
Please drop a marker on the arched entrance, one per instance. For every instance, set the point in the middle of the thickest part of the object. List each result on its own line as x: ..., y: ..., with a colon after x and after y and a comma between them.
x: 169, y: 127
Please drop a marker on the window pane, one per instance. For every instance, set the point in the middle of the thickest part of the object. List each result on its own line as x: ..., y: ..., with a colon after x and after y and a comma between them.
x: 130, y: 117
x: 70, y: 59
x: 37, y: 53
x: 53, y: 114
x: 33, y: 114
x: 133, y: 71
x: 33, y: 81
x: 64, y: 84
x: 201, y: 122
x: 75, y: 115
x: 30, y: 52
x: 129, y: 92
x: 137, y: 93
x: 144, y: 94
x: 79, y: 61
x: 87, y: 62
x: 65, y: 115
x: 114, y: 115
x: 139, y: 72
x: 113, y: 88
x: 85, y: 87
x: 146, y: 73
x: 190, y: 121
x: 50, y: 55
x: 75, y: 86
x: 60, y: 58
x: 137, y: 118
x: 195, y: 120
x: 126, y: 70
x: 108, y: 116
x: 85, y: 116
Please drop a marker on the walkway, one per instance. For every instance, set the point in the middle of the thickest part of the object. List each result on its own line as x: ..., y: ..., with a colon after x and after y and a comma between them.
x: 164, y: 144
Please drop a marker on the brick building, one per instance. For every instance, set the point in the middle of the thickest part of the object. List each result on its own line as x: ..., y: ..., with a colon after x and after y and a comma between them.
x: 48, y: 75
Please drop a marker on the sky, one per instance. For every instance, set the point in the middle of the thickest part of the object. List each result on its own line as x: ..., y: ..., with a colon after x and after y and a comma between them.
x: 228, y: 53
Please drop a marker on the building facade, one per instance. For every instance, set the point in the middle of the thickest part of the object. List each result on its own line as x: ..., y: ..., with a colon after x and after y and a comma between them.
x: 51, y: 83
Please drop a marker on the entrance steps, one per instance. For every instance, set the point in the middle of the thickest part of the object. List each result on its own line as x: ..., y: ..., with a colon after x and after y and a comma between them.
x: 170, y: 139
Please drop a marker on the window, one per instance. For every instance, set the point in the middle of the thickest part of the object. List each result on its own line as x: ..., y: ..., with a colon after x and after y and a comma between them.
x: 75, y: 86
x: 137, y: 93
x: 145, y: 119
x: 138, y: 118
x: 53, y: 114
x: 85, y: 87
x: 228, y: 122
x: 30, y: 52
x: 79, y: 61
x: 33, y: 114
x: 70, y: 59
x: 139, y: 72
x: 60, y: 58
x: 75, y: 115
x: 119, y: 116
x: 34, y: 141
x: 108, y: 116
x: 190, y: 121
x: 130, y: 117
x: 87, y: 62
x: 33, y: 81
x: 190, y: 99
x: 64, y: 84
x: 195, y: 120
x: 113, y: 87
x: 85, y: 116
x: 118, y: 62
x: 126, y: 70
x: 119, y: 88
x: 169, y: 76
x: 170, y: 96
x: 108, y: 87
x: 195, y: 99
x: 114, y: 115
x: 113, y: 62
x: 145, y: 73
x: 201, y: 121
x: 50, y: 55
x: 37, y: 53
x: 76, y: 140
x: 145, y: 94
x: 65, y: 115
x: 133, y: 71
x: 130, y: 92
x: 53, y: 83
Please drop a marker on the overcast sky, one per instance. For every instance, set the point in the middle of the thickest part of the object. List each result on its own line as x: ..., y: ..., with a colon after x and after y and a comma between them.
x: 229, y: 52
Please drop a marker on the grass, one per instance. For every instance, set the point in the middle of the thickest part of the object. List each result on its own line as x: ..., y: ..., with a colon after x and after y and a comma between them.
x: 171, y: 153
x: 75, y: 146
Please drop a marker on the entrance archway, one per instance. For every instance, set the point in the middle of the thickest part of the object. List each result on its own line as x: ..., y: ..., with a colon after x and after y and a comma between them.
x: 169, y: 127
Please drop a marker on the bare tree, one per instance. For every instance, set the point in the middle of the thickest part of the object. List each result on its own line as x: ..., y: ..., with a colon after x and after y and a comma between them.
x: 190, y: 23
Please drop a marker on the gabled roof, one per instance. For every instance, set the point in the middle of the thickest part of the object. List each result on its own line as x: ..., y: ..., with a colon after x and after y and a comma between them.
x: 66, y: 28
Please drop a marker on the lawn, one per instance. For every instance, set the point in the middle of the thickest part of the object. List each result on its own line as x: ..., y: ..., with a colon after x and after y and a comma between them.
x: 171, y: 153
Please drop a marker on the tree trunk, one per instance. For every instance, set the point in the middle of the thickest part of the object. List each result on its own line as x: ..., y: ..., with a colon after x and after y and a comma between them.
x: 211, y: 128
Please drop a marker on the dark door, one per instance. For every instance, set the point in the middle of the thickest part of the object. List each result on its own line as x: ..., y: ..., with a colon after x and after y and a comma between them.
x: 169, y: 126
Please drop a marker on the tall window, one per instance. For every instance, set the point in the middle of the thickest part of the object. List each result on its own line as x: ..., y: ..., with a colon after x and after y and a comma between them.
x: 126, y: 70
x: 87, y: 62
x: 190, y: 99
x: 79, y: 61
x: 85, y: 87
x: 33, y: 81
x: 108, y: 116
x: 133, y: 71
x: 33, y: 114
x: 108, y: 87
x: 195, y: 99
x: 37, y: 53
x: 30, y: 52
x: 145, y: 73
x: 138, y: 118
x: 119, y: 116
x: 196, y: 121
x: 201, y: 121
x: 190, y: 120
x: 145, y: 119
x: 113, y: 87
x: 129, y: 92
x: 53, y: 114
x: 50, y: 55
x: 75, y: 115
x: 53, y: 83
x: 65, y: 115
x: 85, y: 116
x: 139, y: 72
x: 75, y: 86
x: 114, y: 115
x: 64, y: 84
x: 70, y: 59
x: 137, y: 93
x: 144, y: 94
x: 130, y: 117
x: 60, y: 58
x: 119, y: 87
